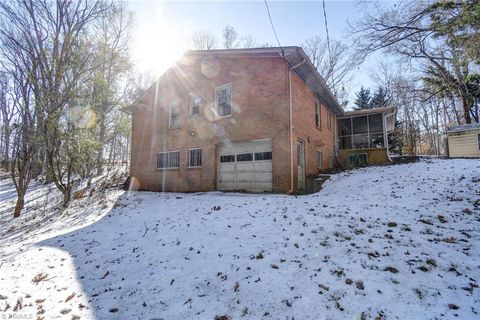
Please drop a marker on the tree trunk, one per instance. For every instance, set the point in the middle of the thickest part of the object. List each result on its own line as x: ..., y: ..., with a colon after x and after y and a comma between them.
x: 67, y: 195
x: 466, y: 110
x: 102, y: 133
x: 20, y: 203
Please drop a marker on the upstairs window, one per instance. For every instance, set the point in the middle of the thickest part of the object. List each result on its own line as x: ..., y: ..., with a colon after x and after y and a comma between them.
x: 195, y: 102
x: 223, y: 98
x: 174, y: 117
x: 318, y: 115
x: 168, y: 160
x: 194, y: 158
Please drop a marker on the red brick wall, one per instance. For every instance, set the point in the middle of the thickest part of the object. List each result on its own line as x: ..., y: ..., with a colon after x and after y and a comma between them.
x: 316, y: 139
x: 260, y: 110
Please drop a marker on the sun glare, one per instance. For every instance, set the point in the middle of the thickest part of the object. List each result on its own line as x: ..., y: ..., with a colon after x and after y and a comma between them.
x: 158, y: 42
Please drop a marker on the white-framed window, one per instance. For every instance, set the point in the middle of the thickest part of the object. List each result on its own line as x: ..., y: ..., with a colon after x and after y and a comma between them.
x: 223, y: 100
x: 195, y: 103
x: 319, y: 159
x: 168, y: 160
x: 174, y: 119
x: 318, y: 114
x: 329, y: 120
x: 194, y: 158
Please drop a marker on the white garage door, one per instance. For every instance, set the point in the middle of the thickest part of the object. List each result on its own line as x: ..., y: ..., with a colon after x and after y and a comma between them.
x: 246, y: 166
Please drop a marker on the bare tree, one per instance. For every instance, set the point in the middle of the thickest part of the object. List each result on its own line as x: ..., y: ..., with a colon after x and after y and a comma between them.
x: 203, y: 40
x: 406, y: 30
x: 111, y: 65
x: 230, y: 37
x: 55, y: 56
x: 7, y: 112
x: 335, y: 69
x: 248, y: 41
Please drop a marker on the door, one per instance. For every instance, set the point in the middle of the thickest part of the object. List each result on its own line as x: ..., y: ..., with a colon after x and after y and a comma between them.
x: 245, y: 165
x: 301, y: 164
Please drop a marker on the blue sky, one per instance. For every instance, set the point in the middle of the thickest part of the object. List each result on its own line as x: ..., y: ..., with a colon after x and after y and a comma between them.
x: 164, y: 28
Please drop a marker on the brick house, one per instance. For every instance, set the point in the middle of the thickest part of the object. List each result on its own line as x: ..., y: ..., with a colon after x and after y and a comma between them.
x: 242, y: 119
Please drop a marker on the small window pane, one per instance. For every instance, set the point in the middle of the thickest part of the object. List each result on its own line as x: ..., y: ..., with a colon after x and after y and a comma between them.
x: 318, y: 114
x: 360, y: 125
x: 360, y: 141
x: 245, y: 157
x: 224, y: 101
x: 195, y: 102
x: 174, y: 117
x: 344, y: 127
x: 263, y: 156
x: 195, y: 158
x: 227, y: 158
x: 376, y: 140
x: 375, y: 122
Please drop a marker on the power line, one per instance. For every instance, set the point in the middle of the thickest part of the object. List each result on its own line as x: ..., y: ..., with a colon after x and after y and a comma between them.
x: 273, y: 27
x: 328, y: 37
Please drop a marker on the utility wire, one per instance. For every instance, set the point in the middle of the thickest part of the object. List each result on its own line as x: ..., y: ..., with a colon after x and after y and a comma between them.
x: 328, y: 39
x: 273, y: 27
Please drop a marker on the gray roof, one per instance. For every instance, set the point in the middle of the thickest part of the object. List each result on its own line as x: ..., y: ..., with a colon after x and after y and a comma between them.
x: 369, y: 111
x: 465, y: 127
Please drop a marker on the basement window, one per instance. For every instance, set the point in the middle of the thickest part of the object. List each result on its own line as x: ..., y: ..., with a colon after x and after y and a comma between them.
x: 223, y: 100
x: 194, y: 158
x: 357, y: 160
x: 168, y: 160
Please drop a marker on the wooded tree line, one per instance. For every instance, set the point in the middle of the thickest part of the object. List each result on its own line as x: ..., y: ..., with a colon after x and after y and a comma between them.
x: 64, y: 73
x: 434, y: 81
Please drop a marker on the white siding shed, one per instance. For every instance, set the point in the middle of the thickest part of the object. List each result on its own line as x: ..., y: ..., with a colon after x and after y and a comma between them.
x: 464, y: 141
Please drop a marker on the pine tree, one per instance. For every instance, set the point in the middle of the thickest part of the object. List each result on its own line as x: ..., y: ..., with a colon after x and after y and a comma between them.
x: 363, y: 99
x: 380, y: 99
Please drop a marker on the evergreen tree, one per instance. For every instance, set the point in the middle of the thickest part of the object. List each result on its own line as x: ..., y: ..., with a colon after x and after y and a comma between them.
x: 380, y: 99
x: 363, y: 99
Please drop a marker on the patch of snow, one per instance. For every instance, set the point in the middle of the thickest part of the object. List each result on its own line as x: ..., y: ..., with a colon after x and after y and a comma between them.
x: 399, y: 242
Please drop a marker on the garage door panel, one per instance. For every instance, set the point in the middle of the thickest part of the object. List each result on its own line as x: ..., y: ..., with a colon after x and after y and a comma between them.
x: 263, y: 186
x: 245, y: 185
x: 242, y: 172
x: 244, y: 166
x: 227, y: 185
x: 245, y: 176
x: 263, y: 166
x: 263, y: 176
x: 227, y: 176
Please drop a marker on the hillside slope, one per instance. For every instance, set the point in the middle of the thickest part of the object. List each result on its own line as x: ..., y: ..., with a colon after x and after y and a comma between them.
x: 396, y: 242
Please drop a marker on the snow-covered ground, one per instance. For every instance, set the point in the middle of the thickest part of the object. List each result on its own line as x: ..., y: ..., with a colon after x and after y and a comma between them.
x: 394, y: 242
